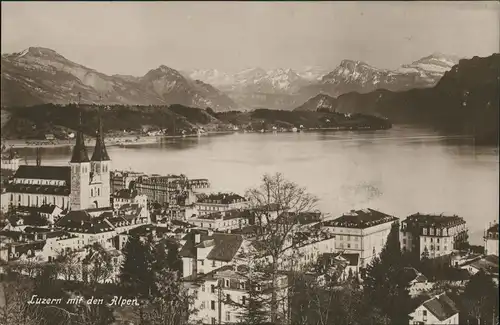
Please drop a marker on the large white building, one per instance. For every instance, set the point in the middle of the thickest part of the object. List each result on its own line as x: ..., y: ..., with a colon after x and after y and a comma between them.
x: 219, y: 202
x: 84, y: 184
x: 491, y: 240
x: 432, y: 235
x: 362, y: 232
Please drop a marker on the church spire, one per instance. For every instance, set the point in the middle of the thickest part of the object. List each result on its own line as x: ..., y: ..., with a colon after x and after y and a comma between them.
x: 79, y: 150
x: 100, y: 152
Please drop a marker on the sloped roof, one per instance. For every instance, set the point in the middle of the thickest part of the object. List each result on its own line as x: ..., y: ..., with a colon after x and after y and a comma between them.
x: 225, y: 245
x: 361, y: 219
x: 61, y: 173
x: 442, y: 307
x: 38, y: 189
x: 74, y: 216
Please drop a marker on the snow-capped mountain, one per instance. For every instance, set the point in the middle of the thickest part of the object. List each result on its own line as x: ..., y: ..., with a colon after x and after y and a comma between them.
x: 214, y: 77
x: 40, y: 75
x: 274, y: 81
x: 357, y: 76
x: 432, y: 67
x: 312, y: 73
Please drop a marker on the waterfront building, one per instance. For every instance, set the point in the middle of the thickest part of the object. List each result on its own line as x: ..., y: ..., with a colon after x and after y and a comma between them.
x: 491, y: 240
x: 437, y: 310
x: 84, y: 184
x: 161, y: 189
x: 121, y: 180
x: 361, y: 231
x: 218, y: 291
x: 432, y: 235
x: 218, y: 202
x: 126, y: 196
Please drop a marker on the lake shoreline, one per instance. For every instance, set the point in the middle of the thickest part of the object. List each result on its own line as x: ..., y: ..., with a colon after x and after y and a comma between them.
x: 142, y: 140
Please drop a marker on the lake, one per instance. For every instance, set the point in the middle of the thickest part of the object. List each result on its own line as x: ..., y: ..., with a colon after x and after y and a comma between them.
x: 399, y: 171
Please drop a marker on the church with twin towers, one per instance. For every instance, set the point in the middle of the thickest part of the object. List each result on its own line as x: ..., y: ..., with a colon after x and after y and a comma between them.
x: 84, y: 184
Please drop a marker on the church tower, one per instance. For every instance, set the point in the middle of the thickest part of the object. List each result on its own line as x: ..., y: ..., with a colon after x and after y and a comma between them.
x: 100, y: 182
x: 80, y: 172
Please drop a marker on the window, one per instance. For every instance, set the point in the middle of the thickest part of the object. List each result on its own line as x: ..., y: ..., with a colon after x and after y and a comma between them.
x: 404, y: 241
x: 228, y: 297
x: 201, y: 262
x: 228, y: 316
x: 203, y: 288
x: 437, y: 240
x: 243, y: 300
x: 213, y: 263
x: 437, y: 248
x: 445, y: 248
x: 341, y: 237
x: 212, y: 304
x: 348, y: 245
x: 212, y: 288
x: 227, y: 283
x: 432, y: 240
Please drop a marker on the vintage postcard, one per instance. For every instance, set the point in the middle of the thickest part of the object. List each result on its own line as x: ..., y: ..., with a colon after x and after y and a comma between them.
x: 279, y: 163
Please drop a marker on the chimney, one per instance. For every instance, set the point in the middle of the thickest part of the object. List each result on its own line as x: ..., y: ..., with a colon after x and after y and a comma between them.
x: 197, y: 238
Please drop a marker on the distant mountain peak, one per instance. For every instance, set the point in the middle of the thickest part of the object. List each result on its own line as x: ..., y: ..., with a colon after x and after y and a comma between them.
x: 35, y: 52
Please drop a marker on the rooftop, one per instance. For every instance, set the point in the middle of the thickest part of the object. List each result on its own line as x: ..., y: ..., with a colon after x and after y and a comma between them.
x: 125, y: 194
x: 224, y: 249
x: 433, y: 220
x: 441, y: 306
x: 361, y: 219
x: 41, y: 189
x: 62, y: 173
x: 221, y: 198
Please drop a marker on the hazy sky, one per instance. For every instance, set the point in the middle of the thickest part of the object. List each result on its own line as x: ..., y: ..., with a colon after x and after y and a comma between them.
x: 132, y: 37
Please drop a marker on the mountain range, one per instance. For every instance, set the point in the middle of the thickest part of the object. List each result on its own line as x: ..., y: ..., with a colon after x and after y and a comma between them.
x: 40, y: 75
x: 464, y: 101
x: 287, y: 88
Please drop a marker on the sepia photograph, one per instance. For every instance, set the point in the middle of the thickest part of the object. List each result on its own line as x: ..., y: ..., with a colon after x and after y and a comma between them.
x: 249, y: 162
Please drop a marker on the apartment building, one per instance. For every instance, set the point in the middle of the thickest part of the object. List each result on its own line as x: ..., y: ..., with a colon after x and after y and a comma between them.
x: 432, y: 235
x: 218, y: 202
x: 363, y: 232
x: 217, y: 292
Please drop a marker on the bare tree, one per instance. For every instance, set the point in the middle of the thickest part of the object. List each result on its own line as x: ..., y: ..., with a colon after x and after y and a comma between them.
x: 277, y: 203
x: 98, y: 265
x: 68, y: 265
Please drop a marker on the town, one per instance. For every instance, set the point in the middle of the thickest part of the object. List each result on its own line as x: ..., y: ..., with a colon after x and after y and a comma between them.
x: 202, y: 257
